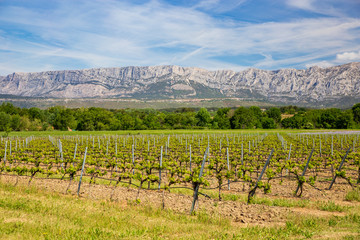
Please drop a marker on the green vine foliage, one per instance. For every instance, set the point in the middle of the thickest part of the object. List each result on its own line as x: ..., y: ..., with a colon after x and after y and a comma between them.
x: 111, y: 157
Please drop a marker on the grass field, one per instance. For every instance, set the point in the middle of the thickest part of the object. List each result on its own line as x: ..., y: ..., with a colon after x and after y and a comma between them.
x: 34, y: 213
x: 159, y: 132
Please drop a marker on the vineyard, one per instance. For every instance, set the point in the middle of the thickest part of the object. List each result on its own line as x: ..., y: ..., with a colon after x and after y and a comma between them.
x: 235, y: 162
x: 234, y: 174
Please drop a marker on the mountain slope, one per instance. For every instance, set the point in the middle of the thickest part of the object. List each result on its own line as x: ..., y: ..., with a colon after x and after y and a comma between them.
x: 286, y: 86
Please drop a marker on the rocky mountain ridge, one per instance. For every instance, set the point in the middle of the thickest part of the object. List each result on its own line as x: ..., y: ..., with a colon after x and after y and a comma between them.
x: 286, y: 86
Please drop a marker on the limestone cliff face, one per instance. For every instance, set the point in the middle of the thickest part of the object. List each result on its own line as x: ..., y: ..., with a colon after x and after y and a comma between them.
x: 286, y: 85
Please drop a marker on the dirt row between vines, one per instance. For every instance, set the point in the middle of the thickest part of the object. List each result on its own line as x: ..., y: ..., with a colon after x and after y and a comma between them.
x: 238, y: 212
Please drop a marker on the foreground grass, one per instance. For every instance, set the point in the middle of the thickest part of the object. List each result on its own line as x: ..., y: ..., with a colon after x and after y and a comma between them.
x: 159, y: 132
x: 353, y: 195
x: 328, y: 206
x: 30, y: 213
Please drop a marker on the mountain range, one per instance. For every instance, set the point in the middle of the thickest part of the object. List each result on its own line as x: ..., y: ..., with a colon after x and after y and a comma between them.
x: 333, y: 86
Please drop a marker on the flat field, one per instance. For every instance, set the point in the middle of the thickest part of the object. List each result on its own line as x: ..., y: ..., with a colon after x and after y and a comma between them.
x: 171, y: 132
x: 142, y: 185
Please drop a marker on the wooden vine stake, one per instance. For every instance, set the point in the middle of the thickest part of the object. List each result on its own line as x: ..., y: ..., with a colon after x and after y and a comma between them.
x: 61, y: 154
x: 252, y: 191
x: 190, y: 156
x: 320, y: 148
x: 196, y: 190
x: 303, y: 173
x: 160, y: 166
x: 74, y: 154
x: 5, y: 152
x: 116, y: 154
x: 82, y: 172
x: 288, y: 159
x: 339, y: 169
x: 107, y: 147
x: 242, y: 154
x: 228, y: 165
x: 133, y: 158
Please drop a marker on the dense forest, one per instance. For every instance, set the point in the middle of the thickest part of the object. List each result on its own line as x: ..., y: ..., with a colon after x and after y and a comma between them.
x: 88, y: 119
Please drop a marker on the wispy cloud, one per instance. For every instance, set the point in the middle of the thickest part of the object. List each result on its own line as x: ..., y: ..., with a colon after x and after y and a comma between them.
x: 348, y: 56
x: 325, y: 7
x: 302, y: 4
x: 322, y: 64
x: 219, y: 5
x: 83, y: 34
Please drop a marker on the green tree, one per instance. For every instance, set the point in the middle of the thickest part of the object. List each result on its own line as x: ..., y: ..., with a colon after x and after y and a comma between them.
x: 328, y: 118
x: 35, y: 125
x: 152, y: 121
x: 102, y: 118
x: 295, y: 122
x: 313, y: 116
x: 221, y: 119
x: 289, y: 109
x: 62, y: 118
x: 36, y: 113
x: 127, y: 121
x: 243, y: 118
x: 25, y: 123
x: 268, y: 123
x: 274, y: 113
x: 85, y: 120
x: 188, y: 120
x: 139, y: 124
x: 9, y: 108
x: 258, y: 115
x: 257, y: 111
x: 345, y: 120
x: 356, y: 112
x: 5, y: 122
x: 176, y: 120
x: 203, y: 117
x: 15, y: 122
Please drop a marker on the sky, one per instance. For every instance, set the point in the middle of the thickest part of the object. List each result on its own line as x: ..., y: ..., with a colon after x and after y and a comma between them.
x: 43, y: 35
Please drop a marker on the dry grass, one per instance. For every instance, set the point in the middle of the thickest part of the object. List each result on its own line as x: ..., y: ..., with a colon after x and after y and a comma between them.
x: 31, y: 213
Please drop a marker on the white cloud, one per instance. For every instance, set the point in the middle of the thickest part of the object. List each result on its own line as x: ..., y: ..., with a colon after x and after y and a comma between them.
x: 341, y: 58
x: 348, y: 56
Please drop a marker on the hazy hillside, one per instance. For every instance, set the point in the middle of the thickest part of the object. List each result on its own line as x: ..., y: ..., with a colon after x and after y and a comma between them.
x: 333, y: 86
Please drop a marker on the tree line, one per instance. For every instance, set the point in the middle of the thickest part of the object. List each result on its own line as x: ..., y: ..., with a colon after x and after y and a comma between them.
x: 13, y: 118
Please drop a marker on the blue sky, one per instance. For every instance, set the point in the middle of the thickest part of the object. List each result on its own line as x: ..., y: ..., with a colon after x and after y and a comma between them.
x: 41, y: 35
